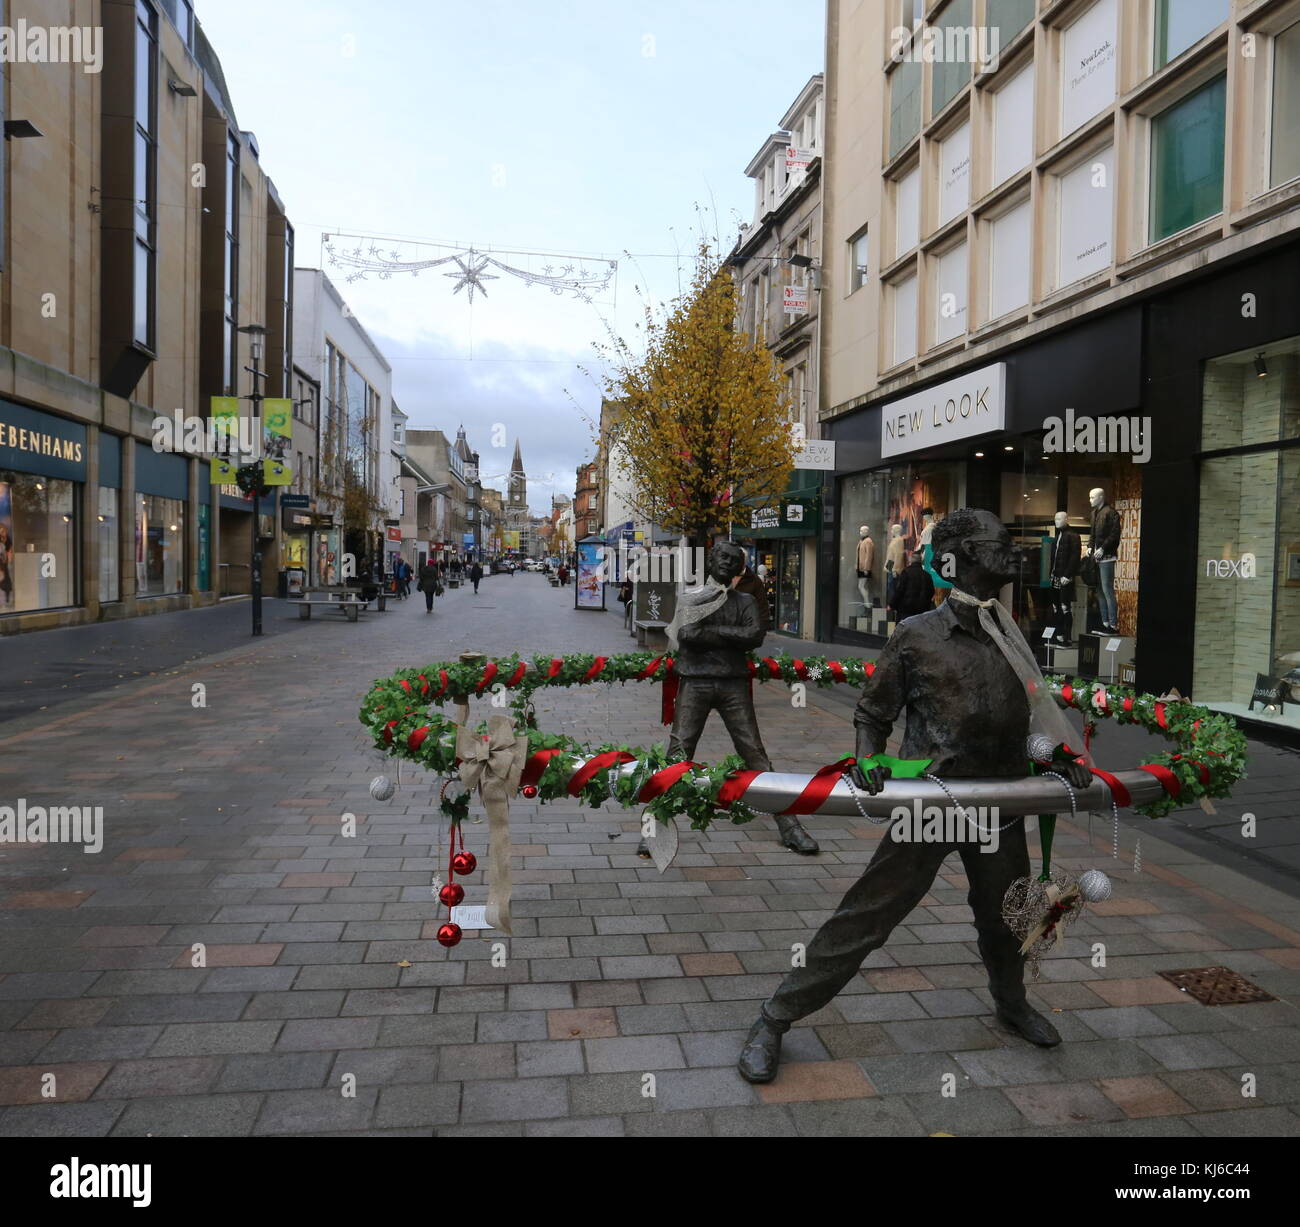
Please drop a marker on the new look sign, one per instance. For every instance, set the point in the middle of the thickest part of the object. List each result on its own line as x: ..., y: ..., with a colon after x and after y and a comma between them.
x: 972, y: 404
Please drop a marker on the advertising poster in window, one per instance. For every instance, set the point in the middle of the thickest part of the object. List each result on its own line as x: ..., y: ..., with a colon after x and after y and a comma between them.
x: 1128, y: 502
x: 590, y: 590
x: 6, y: 548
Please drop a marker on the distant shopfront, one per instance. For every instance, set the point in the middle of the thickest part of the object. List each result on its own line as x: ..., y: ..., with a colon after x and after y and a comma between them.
x: 781, y: 542
x: 1213, y: 477
x: 42, y: 496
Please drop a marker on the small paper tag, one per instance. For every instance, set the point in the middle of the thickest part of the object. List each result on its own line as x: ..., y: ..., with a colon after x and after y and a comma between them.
x: 470, y: 916
x: 1112, y: 645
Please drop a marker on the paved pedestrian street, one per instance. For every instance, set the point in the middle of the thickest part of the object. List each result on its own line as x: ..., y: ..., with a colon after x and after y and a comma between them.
x: 324, y: 1006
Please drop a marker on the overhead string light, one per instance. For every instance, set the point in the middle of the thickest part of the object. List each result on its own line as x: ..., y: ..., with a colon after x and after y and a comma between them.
x: 362, y: 257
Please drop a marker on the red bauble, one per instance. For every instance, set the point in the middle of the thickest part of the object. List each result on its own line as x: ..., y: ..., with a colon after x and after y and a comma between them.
x: 464, y: 862
x: 449, y: 934
x: 452, y: 894
x: 530, y: 791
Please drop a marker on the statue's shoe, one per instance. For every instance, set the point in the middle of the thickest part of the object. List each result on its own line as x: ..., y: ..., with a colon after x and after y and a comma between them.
x: 1031, y: 1025
x: 794, y: 837
x: 761, y: 1055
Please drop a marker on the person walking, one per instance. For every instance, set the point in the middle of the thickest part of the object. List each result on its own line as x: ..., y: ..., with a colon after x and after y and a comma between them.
x: 913, y: 589
x: 475, y: 574
x: 563, y: 576
x: 430, y: 584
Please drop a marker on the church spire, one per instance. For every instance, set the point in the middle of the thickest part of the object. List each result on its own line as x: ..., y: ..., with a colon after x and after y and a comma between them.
x: 518, y: 465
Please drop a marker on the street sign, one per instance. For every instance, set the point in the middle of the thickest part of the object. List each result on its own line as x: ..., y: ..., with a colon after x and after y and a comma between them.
x: 816, y: 454
x: 295, y: 500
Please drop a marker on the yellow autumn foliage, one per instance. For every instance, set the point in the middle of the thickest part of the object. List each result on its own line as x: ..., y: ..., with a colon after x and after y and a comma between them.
x: 704, y: 419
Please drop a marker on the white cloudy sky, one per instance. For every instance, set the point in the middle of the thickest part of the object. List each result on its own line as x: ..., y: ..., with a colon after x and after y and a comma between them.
x: 566, y: 126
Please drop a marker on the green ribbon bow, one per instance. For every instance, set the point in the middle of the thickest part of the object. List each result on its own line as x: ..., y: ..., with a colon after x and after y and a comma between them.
x: 898, y: 768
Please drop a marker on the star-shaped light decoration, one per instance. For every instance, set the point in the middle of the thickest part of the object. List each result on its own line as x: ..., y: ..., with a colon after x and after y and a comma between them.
x: 471, y: 274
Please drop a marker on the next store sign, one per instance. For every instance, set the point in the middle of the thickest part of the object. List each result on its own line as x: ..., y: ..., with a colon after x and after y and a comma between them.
x: 972, y: 404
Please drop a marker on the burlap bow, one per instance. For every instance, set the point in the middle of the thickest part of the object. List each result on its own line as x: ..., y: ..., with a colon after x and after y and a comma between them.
x: 493, y: 764
x: 1061, y: 905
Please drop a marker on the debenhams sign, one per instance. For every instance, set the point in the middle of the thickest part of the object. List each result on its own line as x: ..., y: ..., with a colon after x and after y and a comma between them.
x: 971, y: 404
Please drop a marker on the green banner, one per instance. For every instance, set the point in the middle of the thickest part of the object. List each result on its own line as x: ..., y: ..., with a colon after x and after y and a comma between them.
x: 225, y: 416
x: 277, y: 427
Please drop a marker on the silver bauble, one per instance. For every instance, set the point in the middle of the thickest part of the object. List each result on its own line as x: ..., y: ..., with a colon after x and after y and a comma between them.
x: 381, y: 788
x: 1039, y: 747
x: 1094, y: 886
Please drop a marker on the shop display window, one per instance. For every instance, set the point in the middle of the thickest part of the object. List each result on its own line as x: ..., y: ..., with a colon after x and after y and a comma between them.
x: 159, y: 545
x: 1248, y: 558
x: 38, y: 542
x: 106, y: 530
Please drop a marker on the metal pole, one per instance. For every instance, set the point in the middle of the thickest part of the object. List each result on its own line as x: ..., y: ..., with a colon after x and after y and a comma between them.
x: 256, y: 568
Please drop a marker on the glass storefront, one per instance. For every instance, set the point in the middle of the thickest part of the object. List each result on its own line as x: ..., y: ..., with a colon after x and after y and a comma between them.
x: 890, y: 503
x: 106, y: 527
x: 790, y: 587
x: 159, y: 545
x: 1248, y: 559
x: 38, y: 542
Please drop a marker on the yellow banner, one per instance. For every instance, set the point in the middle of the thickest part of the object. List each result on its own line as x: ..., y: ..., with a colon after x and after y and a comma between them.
x: 276, y: 473
x: 225, y: 415
x: 221, y: 471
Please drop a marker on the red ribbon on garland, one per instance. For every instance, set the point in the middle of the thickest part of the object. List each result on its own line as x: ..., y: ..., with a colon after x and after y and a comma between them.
x: 837, y: 670
x: 488, y: 674
x: 1067, y: 693
x: 1191, y: 762
x: 404, y: 684
x: 800, y: 670
x: 388, y: 732
x: 518, y: 674
x: 734, y: 787
x: 416, y: 739
x: 595, y: 670
x: 584, y: 775
x: 752, y: 667
x: 773, y: 669
x: 1168, y: 780
x: 535, y: 766
x: 662, y: 781
x: 869, y: 668
x: 668, y: 695
x: 1119, y: 794
x: 443, y: 683
x: 424, y: 689
x: 818, y: 788
x: 1160, y: 716
x: 648, y: 671
x: 557, y: 663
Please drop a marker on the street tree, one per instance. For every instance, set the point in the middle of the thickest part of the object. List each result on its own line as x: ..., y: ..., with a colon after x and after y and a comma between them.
x: 704, y: 421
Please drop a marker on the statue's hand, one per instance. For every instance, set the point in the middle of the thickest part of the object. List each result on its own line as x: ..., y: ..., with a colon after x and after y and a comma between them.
x: 871, y: 781
x: 1078, y: 773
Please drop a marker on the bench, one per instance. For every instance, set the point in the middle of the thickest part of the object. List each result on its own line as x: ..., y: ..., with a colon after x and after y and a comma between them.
x: 651, y: 635
x: 554, y: 580
x: 346, y: 600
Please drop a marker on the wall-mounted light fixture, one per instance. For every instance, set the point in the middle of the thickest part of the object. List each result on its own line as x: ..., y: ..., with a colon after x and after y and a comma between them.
x: 182, y: 90
x: 1261, y: 367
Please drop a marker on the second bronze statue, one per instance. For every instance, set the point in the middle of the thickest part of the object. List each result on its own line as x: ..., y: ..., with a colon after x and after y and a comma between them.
x: 711, y: 634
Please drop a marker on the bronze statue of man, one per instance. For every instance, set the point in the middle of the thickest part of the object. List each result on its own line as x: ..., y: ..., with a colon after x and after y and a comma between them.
x: 968, y: 710
x: 711, y: 634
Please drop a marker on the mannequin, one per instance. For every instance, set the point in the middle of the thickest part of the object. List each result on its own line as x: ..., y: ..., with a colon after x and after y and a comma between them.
x: 1103, y: 541
x: 893, y: 561
x: 1066, y: 553
x: 866, y: 564
x: 927, y: 551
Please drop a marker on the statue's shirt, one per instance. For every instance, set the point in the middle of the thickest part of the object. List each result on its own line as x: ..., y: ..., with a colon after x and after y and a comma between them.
x: 719, y: 645
x: 966, y: 708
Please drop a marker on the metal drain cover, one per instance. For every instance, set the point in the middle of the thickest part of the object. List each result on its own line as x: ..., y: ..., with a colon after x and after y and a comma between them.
x: 1217, y: 986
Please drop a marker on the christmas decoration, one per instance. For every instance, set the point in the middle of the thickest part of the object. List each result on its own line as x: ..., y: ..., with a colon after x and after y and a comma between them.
x: 382, y: 788
x: 452, y: 894
x: 1094, y: 886
x: 464, y: 863
x: 449, y: 934
x: 361, y: 257
x: 1037, y: 911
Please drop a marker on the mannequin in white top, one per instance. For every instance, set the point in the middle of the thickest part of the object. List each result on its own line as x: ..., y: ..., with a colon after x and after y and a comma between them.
x: 866, y: 564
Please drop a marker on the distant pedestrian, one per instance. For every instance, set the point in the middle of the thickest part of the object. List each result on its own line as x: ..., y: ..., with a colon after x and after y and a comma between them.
x: 563, y: 575
x: 475, y: 574
x: 430, y: 584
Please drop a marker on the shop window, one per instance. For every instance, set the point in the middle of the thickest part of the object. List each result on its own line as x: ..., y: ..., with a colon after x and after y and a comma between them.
x: 890, y: 503
x: 1284, y: 163
x: 904, y: 295
x: 1248, y: 560
x: 950, y: 294
x: 951, y: 70
x: 1008, y: 17
x: 790, y: 587
x: 1084, y: 212
x: 1187, y: 161
x: 1009, y: 252
x: 1088, y: 65
x: 1013, y: 126
x: 38, y: 543
x: 954, y: 174
x: 107, y: 535
x: 159, y: 546
x: 904, y: 105
x: 1180, y: 23
x: 907, y: 212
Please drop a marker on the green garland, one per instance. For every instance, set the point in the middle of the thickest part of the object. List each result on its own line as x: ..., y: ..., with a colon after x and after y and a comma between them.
x: 1210, y: 753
